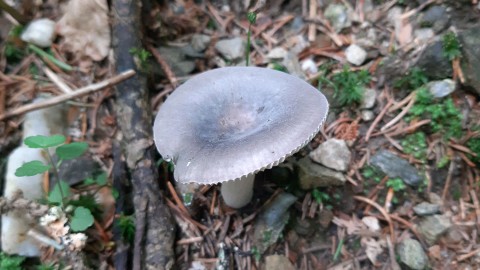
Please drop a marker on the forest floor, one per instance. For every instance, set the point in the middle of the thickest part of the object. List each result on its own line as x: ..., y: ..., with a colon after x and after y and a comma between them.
x: 403, y: 130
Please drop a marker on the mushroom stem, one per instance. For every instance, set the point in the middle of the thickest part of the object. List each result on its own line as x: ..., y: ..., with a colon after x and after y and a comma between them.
x: 238, y: 193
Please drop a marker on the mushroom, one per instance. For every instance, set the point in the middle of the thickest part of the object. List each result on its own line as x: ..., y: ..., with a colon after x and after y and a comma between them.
x: 227, y: 124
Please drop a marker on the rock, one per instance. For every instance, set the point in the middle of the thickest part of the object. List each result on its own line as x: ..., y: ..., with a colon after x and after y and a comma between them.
x: 440, y: 89
x: 278, y: 262
x: 232, y: 49
x: 425, y: 209
x: 200, y: 42
x: 434, y: 198
x: 338, y: 16
x: 309, y: 66
x: 434, y: 226
x: 433, y: 62
x: 435, y: 17
x: 75, y: 171
x: 333, y: 154
x: 325, y: 217
x: 277, y: 53
x: 290, y: 62
x: 470, y: 61
x: 312, y: 175
x: 394, y: 166
x: 423, y: 34
x: 367, y: 115
x: 411, y: 254
x: 177, y: 60
x: 355, y: 54
x: 16, y: 224
x: 271, y: 221
x: 39, y: 32
x: 369, y: 98
x: 304, y: 226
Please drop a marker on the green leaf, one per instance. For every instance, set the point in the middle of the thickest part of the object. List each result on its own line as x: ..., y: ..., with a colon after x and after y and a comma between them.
x: 55, y: 195
x: 115, y: 193
x: 71, y: 150
x: 44, y: 142
x: 81, y: 219
x: 101, y: 179
x: 31, y: 168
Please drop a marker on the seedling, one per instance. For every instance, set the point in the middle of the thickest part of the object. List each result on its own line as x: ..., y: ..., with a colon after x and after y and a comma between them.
x: 451, y: 46
x: 414, y: 79
x: 252, y: 18
x: 416, y: 145
x: 396, y: 184
x: 9, y: 262
x: 142, y: 57
x: 126, y: 223
x: 82, y: 217
x: 444, y: 116
x: 474, y: 145
x: 348, y: 85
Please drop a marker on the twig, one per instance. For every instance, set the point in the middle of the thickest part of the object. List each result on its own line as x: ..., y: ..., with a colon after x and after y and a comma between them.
x: 57, y: 80
x: 312, y: 29
x: 382, y: 211
x: 399, y: 116
x: 449, y: 179
x: 164, y: 65
x: 78, y: 93
x: 409, y: 128
x: 17, y: 202
x: 13, y: 12
x: 377, y: 120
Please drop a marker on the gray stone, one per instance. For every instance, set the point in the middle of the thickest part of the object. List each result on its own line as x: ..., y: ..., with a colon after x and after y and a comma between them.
x: 231, y: 49
x: 433, y: 227
x: 433, y: 62
x: 367, y: 115
x: 291, y: 63
x: 338, y: 16
x: 411, y: 254
x: 355, y: 54
x: 435, y: 17
x: 395, y: 166
x: 440, y: 89
x: 423, y: 34
x: 271, y: 221
x: 277, y: 53
x: 470, y: 61
x: 312, y: 175
x: 333, y: 154
x: 425, y: 209
x: 176, y: 58
x: 277, y: 262
x: 200, y: 42
x: 369, y: 98
x: 75, y: 171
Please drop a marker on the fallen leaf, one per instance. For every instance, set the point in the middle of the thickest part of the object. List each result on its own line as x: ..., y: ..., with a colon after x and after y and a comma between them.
x: 85, y: 29
x: 373, y: 248
x: 372, y: 223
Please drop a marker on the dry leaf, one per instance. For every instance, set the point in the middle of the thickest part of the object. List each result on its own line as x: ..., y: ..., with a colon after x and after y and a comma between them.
x: 372, y: 223
x: 353, y: 225
x: 85, y: 29
x: 373, y: 248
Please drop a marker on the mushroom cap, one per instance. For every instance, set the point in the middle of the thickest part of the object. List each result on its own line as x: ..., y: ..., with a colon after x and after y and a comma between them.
x: 228, y: 123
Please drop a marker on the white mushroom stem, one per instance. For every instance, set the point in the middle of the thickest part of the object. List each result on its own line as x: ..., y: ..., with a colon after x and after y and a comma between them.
x: 238, y: 193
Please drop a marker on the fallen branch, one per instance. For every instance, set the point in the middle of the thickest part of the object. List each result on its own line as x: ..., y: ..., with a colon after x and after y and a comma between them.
x: 78, y: 93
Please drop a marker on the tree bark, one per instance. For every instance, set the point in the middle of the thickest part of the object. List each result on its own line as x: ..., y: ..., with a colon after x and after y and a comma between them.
x: 155, y: 229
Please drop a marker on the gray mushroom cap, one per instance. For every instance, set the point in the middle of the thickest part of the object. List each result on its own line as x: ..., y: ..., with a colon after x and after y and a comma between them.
x: 228, y: 123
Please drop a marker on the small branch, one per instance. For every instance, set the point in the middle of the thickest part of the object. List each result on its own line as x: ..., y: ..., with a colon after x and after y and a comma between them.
x: 13, y: 12
x: 17, y: 202
x: 78, y: 93
x: 164, y: 65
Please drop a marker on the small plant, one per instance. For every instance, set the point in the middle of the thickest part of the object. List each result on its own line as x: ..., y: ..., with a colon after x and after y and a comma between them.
x: 252, y: 18
x: 474, y: 145
x: 396, y: 184
x: 416, y: 145
x: 444, y: 116
x: 320, y: 197
x: 451, y: 46
x: 126, y: 223
x: 14, y: 52
x: 11, y: 262
x: 348, y: 85
x: 370, y: 172
x: 414, y: 79
x: 142, y: 57
x: 81, y: 218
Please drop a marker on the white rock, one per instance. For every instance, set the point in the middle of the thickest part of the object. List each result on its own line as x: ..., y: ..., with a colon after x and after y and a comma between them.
x: 369, y: 98
x: 338, y: 16
x: 333, y: 154
x: 355, y: 54
x: 367, y: 115
x: 423, y: 34
x: 277, y: 53
x: 232, y: 49
x: 16, y: 224
x: 39, y: 32
x: 200, y: 42
x: 309, y: 66
x: 440, y: 89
